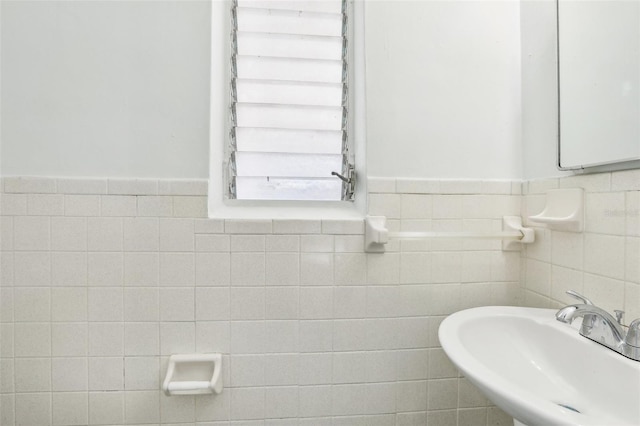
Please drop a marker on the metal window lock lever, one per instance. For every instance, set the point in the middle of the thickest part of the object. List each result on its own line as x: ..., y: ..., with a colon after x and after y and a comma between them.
x: 342, y: 178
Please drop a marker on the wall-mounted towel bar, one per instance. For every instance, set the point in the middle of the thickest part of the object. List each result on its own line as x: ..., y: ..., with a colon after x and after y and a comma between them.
x: 513, y: 234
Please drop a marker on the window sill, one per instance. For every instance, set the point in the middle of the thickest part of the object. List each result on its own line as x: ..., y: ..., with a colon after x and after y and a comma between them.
x: 307, y: 210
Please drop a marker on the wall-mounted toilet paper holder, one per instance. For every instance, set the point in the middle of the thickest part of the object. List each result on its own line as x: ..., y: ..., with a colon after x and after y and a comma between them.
x: 193, y: 374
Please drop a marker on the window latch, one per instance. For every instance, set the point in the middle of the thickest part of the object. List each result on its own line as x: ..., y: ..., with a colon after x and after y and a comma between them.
x: 342, y: 178
x: 349, y: 180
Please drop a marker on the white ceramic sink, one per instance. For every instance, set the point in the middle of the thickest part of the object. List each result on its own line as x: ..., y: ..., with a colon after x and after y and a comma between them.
x: 533, y: 366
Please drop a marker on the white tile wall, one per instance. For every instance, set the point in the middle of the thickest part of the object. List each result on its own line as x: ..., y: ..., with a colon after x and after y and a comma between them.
x: 103, y: 279
x: 602, y: 262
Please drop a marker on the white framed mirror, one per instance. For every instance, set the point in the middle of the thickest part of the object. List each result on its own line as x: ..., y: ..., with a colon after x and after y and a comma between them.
x: 599, y: 84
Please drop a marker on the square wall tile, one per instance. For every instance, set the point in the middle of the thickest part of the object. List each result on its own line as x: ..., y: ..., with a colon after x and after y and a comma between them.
x: 315, y: 368
x: 350, y: 269
x: 141, y: 373
x: 212, y: 303
x: 69, y: 269
x: 316, y: 269
x: 69, y: 339
x: 32, y: 304
x: 281, y: 369
x: 281, y: 402
x: 141, y: 234
x: 31, y: 233
x: 282, y: 269
x: 141, y: 339
x: 33, y: 409
x: 105, y: 269
x: 177, y: 269
x: 105, y: 304
x: 70, y: 408
x: 69, y: 374
x: 32, y: 269
x: 247, y: 268
x: 605, y: 213
x: 281, y: 336
x: 350, y: 302
x: 316, y: 336
x: 213, y: 269
x: 106, y: 408
x: 69, y: 233
x: 247, y: 403
x: 177, y: 304
x: 442, y: 394
x: 32, y: 375
x: 177, y: 235
x: 142, y: 407
x: 177, y: 337
x: 314, y: 401
x: 247, y: 370
x: 282, y: 303
x: 106, y: 339
x: 316, y: 302
x: 247, y: 303
x: 177, y: 410
x: 105, y: 234
x: 68, y: 304
x: 106, y: 374
x: 141, y: 304
x: 604, y: 255
x: 248, y: 337
x: 32, y: 339
x: 141, y: 269
x: 213, y: 336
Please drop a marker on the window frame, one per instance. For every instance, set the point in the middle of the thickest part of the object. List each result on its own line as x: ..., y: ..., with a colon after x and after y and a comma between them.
x: 219, y: 205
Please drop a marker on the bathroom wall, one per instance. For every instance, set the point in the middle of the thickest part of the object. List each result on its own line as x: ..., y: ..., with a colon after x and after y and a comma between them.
x: 443, y: 77
x: 603, y: 263
x: 103, y: 279
x: 105, y: 88
x: 121, y: 89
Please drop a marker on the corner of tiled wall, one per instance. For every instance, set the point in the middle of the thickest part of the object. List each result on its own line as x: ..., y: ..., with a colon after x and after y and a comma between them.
x: 603, y: 262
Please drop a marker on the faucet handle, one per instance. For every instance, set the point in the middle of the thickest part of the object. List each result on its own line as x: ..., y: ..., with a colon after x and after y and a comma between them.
x: 619, y: 315
x: 580, y: 297
x: 633, y: 335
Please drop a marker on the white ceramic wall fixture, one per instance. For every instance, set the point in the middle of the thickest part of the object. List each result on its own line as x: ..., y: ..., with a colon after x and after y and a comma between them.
x: 193, y: 374
x: 541, y: 371
x: 563, y: 211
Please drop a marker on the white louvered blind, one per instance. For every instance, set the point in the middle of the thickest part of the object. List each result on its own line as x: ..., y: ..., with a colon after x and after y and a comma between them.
x: 289, y: 101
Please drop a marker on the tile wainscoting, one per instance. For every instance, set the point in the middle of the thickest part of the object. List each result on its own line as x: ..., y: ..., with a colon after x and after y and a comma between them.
x: 102, y: 279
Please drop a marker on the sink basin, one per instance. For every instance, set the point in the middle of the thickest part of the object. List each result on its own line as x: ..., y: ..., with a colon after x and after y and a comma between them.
x: 541, y: 371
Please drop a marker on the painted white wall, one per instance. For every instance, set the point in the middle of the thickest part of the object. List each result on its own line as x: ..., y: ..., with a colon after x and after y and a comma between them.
x: 122, y: 89
x: 539, y: 89
x: 443, y: 89
x: 105, y: 88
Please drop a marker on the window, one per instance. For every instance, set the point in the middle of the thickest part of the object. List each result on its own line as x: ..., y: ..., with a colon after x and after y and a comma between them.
x: 289, y: 137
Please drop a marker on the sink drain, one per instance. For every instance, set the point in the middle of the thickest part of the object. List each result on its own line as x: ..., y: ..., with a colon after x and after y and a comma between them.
x: 568, y: 407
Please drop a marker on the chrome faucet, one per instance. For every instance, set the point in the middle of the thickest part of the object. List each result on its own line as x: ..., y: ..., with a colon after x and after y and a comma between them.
x: 601, y: 327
